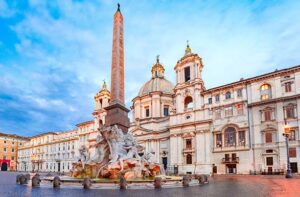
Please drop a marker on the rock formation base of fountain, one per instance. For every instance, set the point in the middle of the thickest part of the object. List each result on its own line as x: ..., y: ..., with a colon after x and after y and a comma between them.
x: 116, y: 155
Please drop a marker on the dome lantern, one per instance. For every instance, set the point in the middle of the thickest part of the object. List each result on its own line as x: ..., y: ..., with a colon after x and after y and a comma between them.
x: 157, y: 69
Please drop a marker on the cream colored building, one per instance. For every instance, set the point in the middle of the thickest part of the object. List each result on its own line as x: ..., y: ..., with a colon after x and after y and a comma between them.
x: 233, y: 128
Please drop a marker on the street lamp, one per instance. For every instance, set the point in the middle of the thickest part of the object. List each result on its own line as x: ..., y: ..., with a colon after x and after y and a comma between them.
x: 286, y: 135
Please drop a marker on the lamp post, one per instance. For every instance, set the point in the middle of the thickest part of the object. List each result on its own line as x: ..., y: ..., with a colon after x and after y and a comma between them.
x: 286, y: 135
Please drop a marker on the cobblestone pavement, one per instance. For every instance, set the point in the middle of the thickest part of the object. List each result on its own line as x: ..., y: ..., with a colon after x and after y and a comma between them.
x: 227, y: 185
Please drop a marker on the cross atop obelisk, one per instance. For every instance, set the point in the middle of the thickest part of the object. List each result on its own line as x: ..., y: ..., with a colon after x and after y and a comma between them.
x: 117, y: 113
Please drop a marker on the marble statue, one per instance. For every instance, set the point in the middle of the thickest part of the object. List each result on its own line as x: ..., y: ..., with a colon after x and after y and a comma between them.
x: 116, y: 155
x: 150, y: 156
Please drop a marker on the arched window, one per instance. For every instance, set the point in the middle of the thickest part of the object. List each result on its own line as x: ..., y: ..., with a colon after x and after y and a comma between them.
x: 228, y: 95
x: 188, y: 103
x: 100, y: 103
x: 290, y: 111
x: 230, y: 136
x: 189, y: 159
x: 265, y: 92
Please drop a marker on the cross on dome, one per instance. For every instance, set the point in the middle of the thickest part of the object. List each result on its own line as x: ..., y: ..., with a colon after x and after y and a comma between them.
x: 188, y: 50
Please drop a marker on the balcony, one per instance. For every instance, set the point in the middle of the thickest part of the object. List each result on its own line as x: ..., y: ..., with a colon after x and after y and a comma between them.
x: 188, y: 149
x: 230, y: 160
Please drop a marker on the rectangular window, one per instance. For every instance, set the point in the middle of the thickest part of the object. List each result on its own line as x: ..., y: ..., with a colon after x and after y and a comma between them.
x: 265, y: 97
x: 189, y: 159
x: 242, y: 140
x: 239, y: 108
x: 219, y: 140
x: 267, y: 115
x: 227, y: 158
x: 269, y: 137
x: 233, y: 155
x: 209, y: 100
x: 188, y: 143
x: 4, y: 149
x: 218, y: 114
x: 12, y: 150
x: 292, y: 152
x: 166, y: 110
x: 269, y: 161
x: 187, y: 74
x: 290, y: 112
x: 292, y: 135
x: 12, y: 158
x: 217, y: 98
x: 288, y: 87
x: 147, y: 111
x: 228, y: 111
x: 239, y: 93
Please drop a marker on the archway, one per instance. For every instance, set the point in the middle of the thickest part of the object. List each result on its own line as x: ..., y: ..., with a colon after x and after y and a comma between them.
x: 188, y: 103
x: 4, y: 166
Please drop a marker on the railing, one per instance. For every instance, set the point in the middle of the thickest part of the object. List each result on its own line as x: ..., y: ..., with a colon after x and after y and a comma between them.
x: 188, y: 149
x: 231, y: 160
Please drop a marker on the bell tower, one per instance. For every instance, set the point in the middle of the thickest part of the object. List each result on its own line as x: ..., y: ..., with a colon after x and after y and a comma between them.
x: 189, y: 83
x: 102, y: 100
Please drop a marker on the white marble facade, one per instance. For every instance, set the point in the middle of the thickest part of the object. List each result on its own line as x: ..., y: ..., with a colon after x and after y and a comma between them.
x: 233, y: 128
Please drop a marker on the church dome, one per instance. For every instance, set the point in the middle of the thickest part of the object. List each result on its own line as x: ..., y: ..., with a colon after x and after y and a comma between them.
x: 158, y: 82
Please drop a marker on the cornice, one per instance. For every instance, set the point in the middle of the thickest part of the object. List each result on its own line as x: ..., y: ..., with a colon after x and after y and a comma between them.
x: 274, y: 100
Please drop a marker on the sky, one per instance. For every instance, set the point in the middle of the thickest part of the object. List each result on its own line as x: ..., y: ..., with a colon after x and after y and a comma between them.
x: 54, y: 55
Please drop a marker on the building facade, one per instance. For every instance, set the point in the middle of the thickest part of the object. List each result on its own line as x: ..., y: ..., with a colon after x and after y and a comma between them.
x: 234, y: 128
x: 9, y: 145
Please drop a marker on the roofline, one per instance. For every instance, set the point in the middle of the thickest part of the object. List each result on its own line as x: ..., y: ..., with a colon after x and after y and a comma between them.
x: 248, y: 80
x: 42, y: 134
x: 84, y: 123
x: 14, y: 136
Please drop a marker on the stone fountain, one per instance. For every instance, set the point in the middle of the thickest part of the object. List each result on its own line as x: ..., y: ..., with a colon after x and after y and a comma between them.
x: 116, y: 156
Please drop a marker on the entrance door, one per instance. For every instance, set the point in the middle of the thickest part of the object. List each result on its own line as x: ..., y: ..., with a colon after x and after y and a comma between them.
x: 215, y: 170
x: 294, y: 167
x: 165, y: 162
x: 231, y: 168
x: 58, y: 166
x: 4, y: 166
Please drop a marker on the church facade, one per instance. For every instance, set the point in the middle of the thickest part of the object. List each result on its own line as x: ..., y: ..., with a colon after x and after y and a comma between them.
x: 233, y: 128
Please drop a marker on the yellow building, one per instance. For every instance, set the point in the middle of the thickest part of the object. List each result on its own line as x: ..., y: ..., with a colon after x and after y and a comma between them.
x: 9, y: 144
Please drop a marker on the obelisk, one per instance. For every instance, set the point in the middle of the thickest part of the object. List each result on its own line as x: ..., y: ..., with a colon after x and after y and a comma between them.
x: 117, y: 113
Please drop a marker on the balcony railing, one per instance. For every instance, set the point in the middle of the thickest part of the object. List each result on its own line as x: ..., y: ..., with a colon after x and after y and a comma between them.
x: 188, y: 149
x: 231, y: 160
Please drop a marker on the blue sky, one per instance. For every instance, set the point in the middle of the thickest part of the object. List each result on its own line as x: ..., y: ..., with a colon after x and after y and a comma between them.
x: 54, y: 55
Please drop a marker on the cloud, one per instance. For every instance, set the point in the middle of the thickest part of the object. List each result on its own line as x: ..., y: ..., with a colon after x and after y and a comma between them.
x: 6, y: 10
x: 62, y: 51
